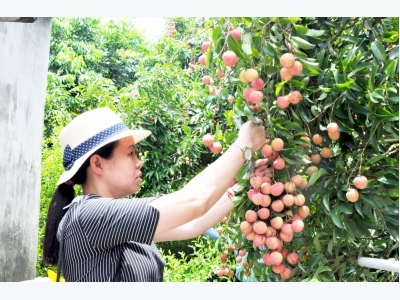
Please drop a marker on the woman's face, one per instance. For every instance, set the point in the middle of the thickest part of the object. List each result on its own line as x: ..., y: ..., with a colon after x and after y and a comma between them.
x: 122, y: 170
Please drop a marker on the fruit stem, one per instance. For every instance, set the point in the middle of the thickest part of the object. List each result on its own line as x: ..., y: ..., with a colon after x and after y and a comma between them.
x: 333, y: 107
x: 326, y: 108
x: 361, y: 156
x: 389, y: 152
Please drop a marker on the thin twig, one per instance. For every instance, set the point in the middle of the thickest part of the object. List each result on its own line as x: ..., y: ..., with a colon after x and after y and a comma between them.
x: 361, y: 156
x: 326, y: 108
x: 391, y: 151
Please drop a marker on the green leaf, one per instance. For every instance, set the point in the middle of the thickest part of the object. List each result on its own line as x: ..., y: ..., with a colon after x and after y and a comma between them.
x: 302, y: 43
x: 243, y: 170
x: 326, y: 201
x: 246, y: 46
x: 279, y: 87
x: 321, y: 270
x: 394, y: 53
x: 301, y: 133
x: 393, y: 230
x: 378, y: 50
x: 315, y: 33
x: 314, y: 177
x: 352, y: 229
x: 237, y: 121
x: 392, y: 219
x: 330, y: 247
x: 361, y: 225
x: 209, y: 58
x: 391, y: 68
x: 217, y: 37
x: 391, y: 36
x: 309, y: 64
x: 305, y: 113
x: 345, y: 86
x: 270, y: 50
x: 371, y: 200
x: 386, y: 115
x: 335, y: 216
x: 288, y: 160
x: 315, y: 258
x: 277, y: 31
x: 345, y: 208
x: 332, y: 24
x: 234, y: 45
x: 358, y: 208
x: 288, y: 20
x: 301, y: 267
x: 360, y: 67
x: 376, y: 158
x: 301, y: 29
x: 293, y: 125
x: 349, y: 38
x: 388, y: 181
x: 317, y: 244
x: 391, y: 209
x: 371, y: 81
x: 238, y: 112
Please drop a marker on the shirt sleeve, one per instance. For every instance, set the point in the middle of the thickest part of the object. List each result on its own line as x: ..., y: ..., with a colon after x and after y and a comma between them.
x: 110, y: 222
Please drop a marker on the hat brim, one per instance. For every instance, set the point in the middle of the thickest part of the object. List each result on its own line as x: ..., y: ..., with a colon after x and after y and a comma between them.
x: 137, y: 134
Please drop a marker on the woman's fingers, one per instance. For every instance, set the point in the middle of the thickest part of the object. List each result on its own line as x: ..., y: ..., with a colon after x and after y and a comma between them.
x: 262, y: 166
x: 261, y: 162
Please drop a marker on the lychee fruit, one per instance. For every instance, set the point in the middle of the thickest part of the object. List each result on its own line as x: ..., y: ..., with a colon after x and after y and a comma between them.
x: 202, y: 59
x: 317, y: 139
x: 216, y: 147
x: 332, y: 127
x: 208, y: 140
x: 360, y: 182
x: 229, y: 58
x: 277, y: 144
x: 352, y: 195
x: 296, y: 69
x: 294, y: 97
x: 285, y: 74
x: 287, y: 60
x: 257, y: 84
x: 205, y: 45
x: 236, y: 33
x: 282, y: 102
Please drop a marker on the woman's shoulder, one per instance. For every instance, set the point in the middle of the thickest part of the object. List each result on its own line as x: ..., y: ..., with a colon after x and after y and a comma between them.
x: 148, y: 199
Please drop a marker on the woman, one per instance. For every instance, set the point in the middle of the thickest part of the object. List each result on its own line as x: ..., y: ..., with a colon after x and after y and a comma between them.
x: 105, y: 237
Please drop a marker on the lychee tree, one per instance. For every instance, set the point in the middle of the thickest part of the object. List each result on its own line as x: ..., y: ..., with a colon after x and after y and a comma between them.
x: 327, y: 92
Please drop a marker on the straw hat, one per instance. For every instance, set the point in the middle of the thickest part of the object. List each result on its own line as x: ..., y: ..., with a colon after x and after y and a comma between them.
x: 91, y: 131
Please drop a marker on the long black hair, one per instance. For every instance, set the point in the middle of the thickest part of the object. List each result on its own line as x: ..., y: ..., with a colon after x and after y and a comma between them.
x: 63, y: 196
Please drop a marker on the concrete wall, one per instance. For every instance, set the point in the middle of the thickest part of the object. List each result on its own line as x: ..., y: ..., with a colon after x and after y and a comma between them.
x: 24, y: 54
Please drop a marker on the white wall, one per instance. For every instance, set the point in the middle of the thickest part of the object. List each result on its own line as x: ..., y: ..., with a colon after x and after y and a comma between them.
x: 24, y: 54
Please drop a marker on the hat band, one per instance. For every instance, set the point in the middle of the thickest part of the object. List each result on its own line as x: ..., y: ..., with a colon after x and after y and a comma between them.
x: 71, y: 155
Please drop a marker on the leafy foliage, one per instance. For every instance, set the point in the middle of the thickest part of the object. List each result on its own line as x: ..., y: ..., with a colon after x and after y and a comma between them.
x: 350, y: 77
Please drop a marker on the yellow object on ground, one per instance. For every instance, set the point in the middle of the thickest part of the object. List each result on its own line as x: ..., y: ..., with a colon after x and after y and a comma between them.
x: 53, y: 276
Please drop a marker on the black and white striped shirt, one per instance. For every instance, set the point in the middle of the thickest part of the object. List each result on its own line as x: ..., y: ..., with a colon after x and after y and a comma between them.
x: 100, y: 233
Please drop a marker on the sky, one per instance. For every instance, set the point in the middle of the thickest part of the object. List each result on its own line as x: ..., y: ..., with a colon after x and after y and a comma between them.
x: 153, y: 27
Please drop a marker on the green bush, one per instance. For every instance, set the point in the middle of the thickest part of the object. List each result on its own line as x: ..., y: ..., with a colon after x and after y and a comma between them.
x: 198, y: 266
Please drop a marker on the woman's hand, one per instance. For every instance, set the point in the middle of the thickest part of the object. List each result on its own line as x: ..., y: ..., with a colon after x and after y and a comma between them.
x: 261, y: 167
x: 253, y: 136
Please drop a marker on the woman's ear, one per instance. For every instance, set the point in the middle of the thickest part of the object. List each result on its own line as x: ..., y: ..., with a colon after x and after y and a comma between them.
x: 95, y: 164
